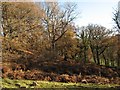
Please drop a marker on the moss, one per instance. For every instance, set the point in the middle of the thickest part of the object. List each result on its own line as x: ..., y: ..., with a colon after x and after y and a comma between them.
x: 8, y: 83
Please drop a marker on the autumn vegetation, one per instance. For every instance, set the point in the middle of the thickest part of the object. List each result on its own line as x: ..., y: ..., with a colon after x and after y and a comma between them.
x: 41, y: 42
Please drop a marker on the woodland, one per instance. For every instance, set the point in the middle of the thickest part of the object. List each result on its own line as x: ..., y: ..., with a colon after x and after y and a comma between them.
x: 40, y: 41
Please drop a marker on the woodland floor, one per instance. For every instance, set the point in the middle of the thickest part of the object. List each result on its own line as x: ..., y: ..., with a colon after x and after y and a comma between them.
x: 63, y: 71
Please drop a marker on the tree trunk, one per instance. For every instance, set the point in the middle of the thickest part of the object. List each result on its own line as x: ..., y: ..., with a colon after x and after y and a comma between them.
x: 97, y: 56
x: 93, y: 53
x: 104, y: 59
x: 85, y: 55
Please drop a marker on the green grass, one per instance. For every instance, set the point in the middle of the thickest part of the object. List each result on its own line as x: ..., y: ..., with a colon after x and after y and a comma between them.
x: 8, y: 83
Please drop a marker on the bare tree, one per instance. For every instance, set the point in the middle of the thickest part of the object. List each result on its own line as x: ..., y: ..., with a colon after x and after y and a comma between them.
x: 97, y: 37
x: 56, y: 20
x: 116, y: 19
x: 83, y: 43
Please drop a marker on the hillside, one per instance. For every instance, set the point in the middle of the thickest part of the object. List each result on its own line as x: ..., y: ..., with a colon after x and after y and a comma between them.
x: 63, y: 71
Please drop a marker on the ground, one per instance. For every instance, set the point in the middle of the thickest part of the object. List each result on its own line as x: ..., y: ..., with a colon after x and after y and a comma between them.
x: 62, y: 71
x: 8, y: 83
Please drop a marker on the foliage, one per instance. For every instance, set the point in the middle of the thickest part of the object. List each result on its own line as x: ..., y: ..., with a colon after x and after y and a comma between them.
x: 38, y: 34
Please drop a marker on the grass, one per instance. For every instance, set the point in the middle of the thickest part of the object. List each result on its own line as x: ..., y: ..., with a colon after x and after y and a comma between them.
x: 8, y: 83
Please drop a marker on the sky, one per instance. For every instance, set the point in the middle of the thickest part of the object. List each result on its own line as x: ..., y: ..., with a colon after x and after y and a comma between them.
x: 94, y: 12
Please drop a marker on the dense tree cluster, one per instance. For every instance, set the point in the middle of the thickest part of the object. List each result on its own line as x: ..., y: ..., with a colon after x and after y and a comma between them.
x: 35, y: 32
